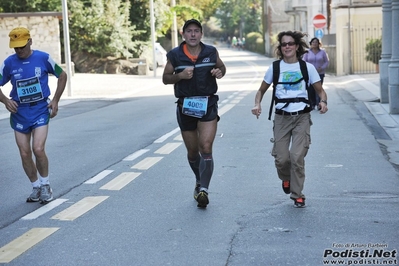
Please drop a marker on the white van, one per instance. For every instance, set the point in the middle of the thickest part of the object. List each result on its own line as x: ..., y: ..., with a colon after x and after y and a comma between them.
x: 160, y: 55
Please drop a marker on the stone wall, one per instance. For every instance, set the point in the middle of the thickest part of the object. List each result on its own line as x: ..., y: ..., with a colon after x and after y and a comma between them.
x: 44, y: 30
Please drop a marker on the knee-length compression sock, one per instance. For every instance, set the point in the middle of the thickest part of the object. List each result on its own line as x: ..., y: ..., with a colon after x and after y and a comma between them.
x: 194, y: 164
x: 206, y: 170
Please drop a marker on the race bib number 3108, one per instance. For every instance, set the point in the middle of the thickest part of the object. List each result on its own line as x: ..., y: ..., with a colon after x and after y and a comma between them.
x: 195, y: 106
x: 29, y: 90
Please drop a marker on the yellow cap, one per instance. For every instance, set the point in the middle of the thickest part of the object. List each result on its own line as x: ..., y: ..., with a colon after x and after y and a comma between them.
x: 19, y: 37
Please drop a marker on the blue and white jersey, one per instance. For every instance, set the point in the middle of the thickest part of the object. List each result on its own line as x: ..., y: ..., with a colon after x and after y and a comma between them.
x: 28, y: 73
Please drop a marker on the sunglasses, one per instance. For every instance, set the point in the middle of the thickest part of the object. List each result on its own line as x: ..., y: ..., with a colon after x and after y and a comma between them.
x: 284, y: 44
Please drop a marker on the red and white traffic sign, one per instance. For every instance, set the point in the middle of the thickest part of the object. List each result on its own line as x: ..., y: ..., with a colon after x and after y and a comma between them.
x: 319, y: 21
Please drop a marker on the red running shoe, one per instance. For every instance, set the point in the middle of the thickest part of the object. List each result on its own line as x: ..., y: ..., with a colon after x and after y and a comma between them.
x: 286, y: 187
x: 299, y: 203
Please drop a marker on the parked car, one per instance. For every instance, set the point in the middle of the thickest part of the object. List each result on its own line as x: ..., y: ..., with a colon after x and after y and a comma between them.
x: 160, y: 56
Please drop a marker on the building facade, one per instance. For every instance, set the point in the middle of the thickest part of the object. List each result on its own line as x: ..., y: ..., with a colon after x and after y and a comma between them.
x: 353, y: 28
x: 346, y: 48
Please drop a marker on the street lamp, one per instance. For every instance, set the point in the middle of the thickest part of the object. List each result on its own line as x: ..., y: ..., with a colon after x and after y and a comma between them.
x: 349, y: 38
x: 67, y: 49
x: 154, y: 60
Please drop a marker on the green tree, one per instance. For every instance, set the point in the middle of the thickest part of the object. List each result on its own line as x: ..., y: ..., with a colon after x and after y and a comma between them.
x: 101, y: 27
x: 207, y: 8
x: 16, y: 6
x: 240, y: 16
x: 374, y: 50
x: 140, y: 18
x: 188, y: 9
x: 184, y: 10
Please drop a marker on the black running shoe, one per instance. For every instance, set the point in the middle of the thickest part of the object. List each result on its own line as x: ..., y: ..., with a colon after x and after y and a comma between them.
x: 196, y: 190
x: 286, y: 187
x: 202, y: 199
x: 299, y: 203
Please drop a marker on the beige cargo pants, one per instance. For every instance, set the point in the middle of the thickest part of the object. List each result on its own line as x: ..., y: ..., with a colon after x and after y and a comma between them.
x: 291, y: 144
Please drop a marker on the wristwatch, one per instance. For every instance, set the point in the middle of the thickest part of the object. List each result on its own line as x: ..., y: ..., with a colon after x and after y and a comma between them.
x: 324, y: 101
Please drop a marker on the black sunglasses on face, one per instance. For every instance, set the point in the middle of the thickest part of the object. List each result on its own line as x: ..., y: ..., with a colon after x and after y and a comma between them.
x: 284, y: 44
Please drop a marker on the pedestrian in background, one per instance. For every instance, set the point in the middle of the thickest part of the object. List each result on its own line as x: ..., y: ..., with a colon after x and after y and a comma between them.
x: 30, y: 107
x: 243, y: 43
x: 228, y: 42
x: 239, y: 43
x: 319, y: 59
x: 292, y: 119
x: 193, y: 68
x: 234, y: 42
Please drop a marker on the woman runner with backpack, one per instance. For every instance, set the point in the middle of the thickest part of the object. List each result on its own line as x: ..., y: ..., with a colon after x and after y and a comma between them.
x: 292, y: 118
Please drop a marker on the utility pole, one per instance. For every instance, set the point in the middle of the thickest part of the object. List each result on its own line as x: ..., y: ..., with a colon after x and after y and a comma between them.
x: 349, y: 38
x: 174, y: 25
x: 154, y: 59
x: 66, y: 45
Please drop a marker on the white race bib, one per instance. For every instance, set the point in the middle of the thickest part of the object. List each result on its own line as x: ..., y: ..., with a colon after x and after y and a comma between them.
x: 195, y: 106
x: 29, y: 90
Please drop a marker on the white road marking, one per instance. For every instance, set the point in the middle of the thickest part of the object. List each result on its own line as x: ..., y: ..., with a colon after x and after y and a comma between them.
x: 146, y: 163
x: 120, y: 181
x: 98, y: 177
x: 168, y: 148
x: 178, y: 138
x: 135, y: 155
x: 79, y: 208
x: 24, y: 242
x: 46, y: 208
x: 167, y: 135
x: 225, y: 108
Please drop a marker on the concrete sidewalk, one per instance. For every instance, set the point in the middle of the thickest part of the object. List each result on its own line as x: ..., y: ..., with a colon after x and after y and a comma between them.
x: 366, y: 88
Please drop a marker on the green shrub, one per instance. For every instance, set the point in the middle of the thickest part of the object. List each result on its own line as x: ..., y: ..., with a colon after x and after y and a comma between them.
x: 374, y: 50
x: 254, y: 43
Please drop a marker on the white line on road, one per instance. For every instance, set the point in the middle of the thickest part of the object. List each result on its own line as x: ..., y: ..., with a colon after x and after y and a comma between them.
x: 168, y: 148
x: 135, y: 155
x: 167, y: 135
x: 24, y: 242
x: 98, y: 177
x: 79, y: 208
x: 120, y: 181
x: 46, y: 208
x: 146, y: 163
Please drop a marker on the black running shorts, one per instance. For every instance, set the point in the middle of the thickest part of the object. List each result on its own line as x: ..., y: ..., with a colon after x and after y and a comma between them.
x: 188, y: 123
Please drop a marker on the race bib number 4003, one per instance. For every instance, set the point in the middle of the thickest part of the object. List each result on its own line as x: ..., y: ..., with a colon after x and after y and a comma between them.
x: 195, y: 106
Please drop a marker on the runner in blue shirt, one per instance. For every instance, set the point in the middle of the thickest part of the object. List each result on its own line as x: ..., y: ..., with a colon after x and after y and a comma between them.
x: 31, y: 107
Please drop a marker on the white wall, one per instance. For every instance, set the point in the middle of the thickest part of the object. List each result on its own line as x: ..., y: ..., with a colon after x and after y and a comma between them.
x: 44, y: 30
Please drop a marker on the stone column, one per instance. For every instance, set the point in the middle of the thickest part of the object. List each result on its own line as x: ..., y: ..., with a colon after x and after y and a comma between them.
x: 386, y: 49
x: 393, y: 68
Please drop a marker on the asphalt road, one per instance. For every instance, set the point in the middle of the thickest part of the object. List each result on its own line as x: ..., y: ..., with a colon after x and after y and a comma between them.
x: 124, y: 189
